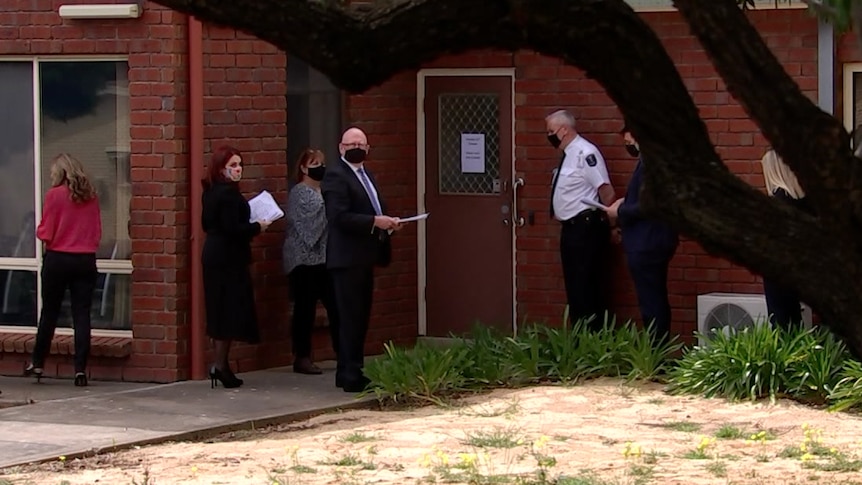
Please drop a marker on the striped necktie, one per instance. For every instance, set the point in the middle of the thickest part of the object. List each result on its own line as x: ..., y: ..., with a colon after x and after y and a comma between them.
x: 366, y: 182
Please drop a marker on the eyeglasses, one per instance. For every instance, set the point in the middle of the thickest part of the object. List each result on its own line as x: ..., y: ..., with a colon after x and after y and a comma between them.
x: 348, y: 146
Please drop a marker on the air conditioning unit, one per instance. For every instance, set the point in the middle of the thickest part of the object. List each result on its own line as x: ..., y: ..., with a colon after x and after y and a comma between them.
x: 723, y: 312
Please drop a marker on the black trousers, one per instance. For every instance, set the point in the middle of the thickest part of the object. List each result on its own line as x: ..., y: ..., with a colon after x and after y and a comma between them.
x: 584, y: 245
x: 309, y: 285
x: 60, y: 271
x: 354, y: 288
x: 648, y: 270
x: 783, y: 304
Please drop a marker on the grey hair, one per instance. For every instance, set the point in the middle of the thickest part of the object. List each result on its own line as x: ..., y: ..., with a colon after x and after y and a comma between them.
x: 562, y: 116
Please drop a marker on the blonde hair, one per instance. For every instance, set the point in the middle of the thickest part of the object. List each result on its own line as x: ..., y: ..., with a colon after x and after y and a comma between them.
x: 65, y: 169
x: 778, y: 175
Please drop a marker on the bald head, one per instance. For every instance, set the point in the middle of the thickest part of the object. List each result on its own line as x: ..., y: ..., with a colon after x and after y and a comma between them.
x: 354, y: 140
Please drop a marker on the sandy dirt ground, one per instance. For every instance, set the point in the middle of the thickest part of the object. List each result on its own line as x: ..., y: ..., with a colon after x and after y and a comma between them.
x: 601, y: 432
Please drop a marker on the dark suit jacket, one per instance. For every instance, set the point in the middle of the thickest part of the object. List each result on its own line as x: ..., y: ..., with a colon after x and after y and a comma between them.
x: 642, y: 234
x: 353, y: 240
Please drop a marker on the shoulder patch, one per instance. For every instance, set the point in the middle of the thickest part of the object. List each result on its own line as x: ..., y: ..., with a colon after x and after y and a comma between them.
x: 591, y: 160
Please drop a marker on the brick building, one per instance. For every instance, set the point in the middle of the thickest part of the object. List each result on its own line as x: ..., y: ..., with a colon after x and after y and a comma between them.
x: 142, y: 101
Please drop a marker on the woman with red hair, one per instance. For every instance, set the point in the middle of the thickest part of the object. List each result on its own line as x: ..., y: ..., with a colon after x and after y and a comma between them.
x: 226, y: 256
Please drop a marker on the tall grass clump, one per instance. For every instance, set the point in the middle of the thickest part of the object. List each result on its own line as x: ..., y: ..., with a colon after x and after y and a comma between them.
x: 424, y: 373
x: 535, y: 354
x: 847, y: 393
x: 761, y: 361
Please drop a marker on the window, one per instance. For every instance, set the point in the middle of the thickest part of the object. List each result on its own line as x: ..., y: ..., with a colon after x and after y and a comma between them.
x: 314, y: 112
x: 82, y: 108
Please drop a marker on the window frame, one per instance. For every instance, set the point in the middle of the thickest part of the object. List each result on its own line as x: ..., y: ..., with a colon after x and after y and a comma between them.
x: 848, y: 109
x: 104, y: 266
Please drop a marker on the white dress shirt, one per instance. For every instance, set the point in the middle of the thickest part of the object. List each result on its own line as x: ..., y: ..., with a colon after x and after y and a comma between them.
x: 356, y: 168
x: 582, y: 173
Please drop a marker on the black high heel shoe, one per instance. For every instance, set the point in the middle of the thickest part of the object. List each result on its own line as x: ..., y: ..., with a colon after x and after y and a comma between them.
x: 80, y: 379
x: 32, y: 370
x: 227, y: 379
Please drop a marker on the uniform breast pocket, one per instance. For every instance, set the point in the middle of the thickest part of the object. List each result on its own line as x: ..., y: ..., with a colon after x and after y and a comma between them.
x: 570, y: 174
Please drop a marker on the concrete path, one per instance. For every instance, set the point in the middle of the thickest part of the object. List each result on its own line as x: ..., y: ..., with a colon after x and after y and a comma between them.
x: 67, y: 421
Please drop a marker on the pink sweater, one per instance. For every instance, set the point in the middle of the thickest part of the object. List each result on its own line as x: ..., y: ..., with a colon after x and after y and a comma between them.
x: 69, y: 227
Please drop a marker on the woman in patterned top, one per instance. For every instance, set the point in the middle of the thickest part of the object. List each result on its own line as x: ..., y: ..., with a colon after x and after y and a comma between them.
x: 305, y: 259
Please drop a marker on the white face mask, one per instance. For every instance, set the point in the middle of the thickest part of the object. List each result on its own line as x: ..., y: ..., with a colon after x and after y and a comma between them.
x: 233, y: 174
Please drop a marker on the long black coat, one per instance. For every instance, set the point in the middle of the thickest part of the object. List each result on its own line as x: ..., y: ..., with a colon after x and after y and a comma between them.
x: 226, y: 255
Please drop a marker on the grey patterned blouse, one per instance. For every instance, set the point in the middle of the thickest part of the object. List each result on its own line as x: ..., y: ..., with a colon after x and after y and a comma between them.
x: 305, y: 241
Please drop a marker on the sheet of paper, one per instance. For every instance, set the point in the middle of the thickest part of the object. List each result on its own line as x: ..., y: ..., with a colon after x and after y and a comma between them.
x: 264, y: 208
x: 414, y: 218
x: 472, y: 153
x: 595, y: 204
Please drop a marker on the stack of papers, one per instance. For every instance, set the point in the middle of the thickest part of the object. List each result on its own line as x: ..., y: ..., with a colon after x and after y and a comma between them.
x: 264, y: 208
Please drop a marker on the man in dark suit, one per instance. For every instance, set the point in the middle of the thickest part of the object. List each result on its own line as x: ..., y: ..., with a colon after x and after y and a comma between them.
x: 358, y: 240
x: 649, y: 245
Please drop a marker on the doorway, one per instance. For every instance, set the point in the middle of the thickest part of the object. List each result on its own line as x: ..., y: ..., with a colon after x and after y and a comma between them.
x: 466, y: 122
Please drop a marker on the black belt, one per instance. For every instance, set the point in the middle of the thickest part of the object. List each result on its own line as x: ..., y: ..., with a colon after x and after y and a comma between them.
x: 587, y: 216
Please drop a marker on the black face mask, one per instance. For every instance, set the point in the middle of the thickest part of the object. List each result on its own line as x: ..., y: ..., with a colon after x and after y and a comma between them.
x: 554, y: 140
x: 355, y: 155
x: 633, y: 150
x: 316, y: 173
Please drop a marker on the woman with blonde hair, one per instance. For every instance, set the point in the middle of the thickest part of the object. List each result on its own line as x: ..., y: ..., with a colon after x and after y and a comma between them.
x: 71, y: 229
x: 782, y: 302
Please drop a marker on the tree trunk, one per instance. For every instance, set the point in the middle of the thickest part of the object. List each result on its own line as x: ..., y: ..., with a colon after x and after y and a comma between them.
x: 686, y: 182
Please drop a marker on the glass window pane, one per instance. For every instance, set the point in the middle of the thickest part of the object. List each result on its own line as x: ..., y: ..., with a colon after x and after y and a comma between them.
x: 18, y: 298
x: 314, y: 106
x: 85, y: 112
x: 17, y: 186
x: 111, y: 308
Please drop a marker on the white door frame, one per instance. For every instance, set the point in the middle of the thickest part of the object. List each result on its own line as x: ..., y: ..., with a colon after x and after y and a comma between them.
x: 421, y: 249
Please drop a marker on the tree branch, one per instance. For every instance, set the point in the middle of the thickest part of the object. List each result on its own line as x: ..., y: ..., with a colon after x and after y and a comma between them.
x: 686, y: 179
x: 813, y: 143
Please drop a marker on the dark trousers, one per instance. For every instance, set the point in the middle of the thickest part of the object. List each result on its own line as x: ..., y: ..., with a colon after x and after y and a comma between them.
x: 783, y: 304
x: 309, y: 285
x: 649, y: 273
x: 60, y: 271
x: 584, y: 243
x: 354, y: 288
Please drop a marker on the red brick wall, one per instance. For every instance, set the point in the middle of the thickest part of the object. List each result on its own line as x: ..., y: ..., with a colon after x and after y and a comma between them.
x: 244, y: 105
x: 542, y: 84
x: 156, y: 48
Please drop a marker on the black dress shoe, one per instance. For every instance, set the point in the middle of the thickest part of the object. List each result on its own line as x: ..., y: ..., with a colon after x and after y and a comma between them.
x: 358, y: 385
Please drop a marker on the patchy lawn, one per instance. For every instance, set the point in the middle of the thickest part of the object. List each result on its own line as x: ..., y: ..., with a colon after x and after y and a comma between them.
x: 601, y: 432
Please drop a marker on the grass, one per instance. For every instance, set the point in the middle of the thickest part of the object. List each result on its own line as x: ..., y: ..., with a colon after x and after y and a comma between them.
x: 728, y: 432
x: 350, y: 460
x: 498, y: 438
x: 684, y: 426
x: 717, y: 468
x: 357, y: 437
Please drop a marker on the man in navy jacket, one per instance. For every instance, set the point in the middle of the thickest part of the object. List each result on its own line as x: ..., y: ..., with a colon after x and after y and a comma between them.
x: 649, y: 245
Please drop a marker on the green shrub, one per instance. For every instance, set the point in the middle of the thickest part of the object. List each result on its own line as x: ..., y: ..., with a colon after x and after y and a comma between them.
x: 847, y: 393
x: 424, y: 373
x: 819, y: 368
x: 760, y: 361
x: 645, y: 360
x: 490, y: 365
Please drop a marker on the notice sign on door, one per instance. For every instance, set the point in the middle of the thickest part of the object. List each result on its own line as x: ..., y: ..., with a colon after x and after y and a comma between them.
x: 472, y: 153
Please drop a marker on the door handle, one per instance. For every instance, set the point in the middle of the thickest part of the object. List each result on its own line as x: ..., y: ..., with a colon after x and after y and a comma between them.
x: 517, y: 220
